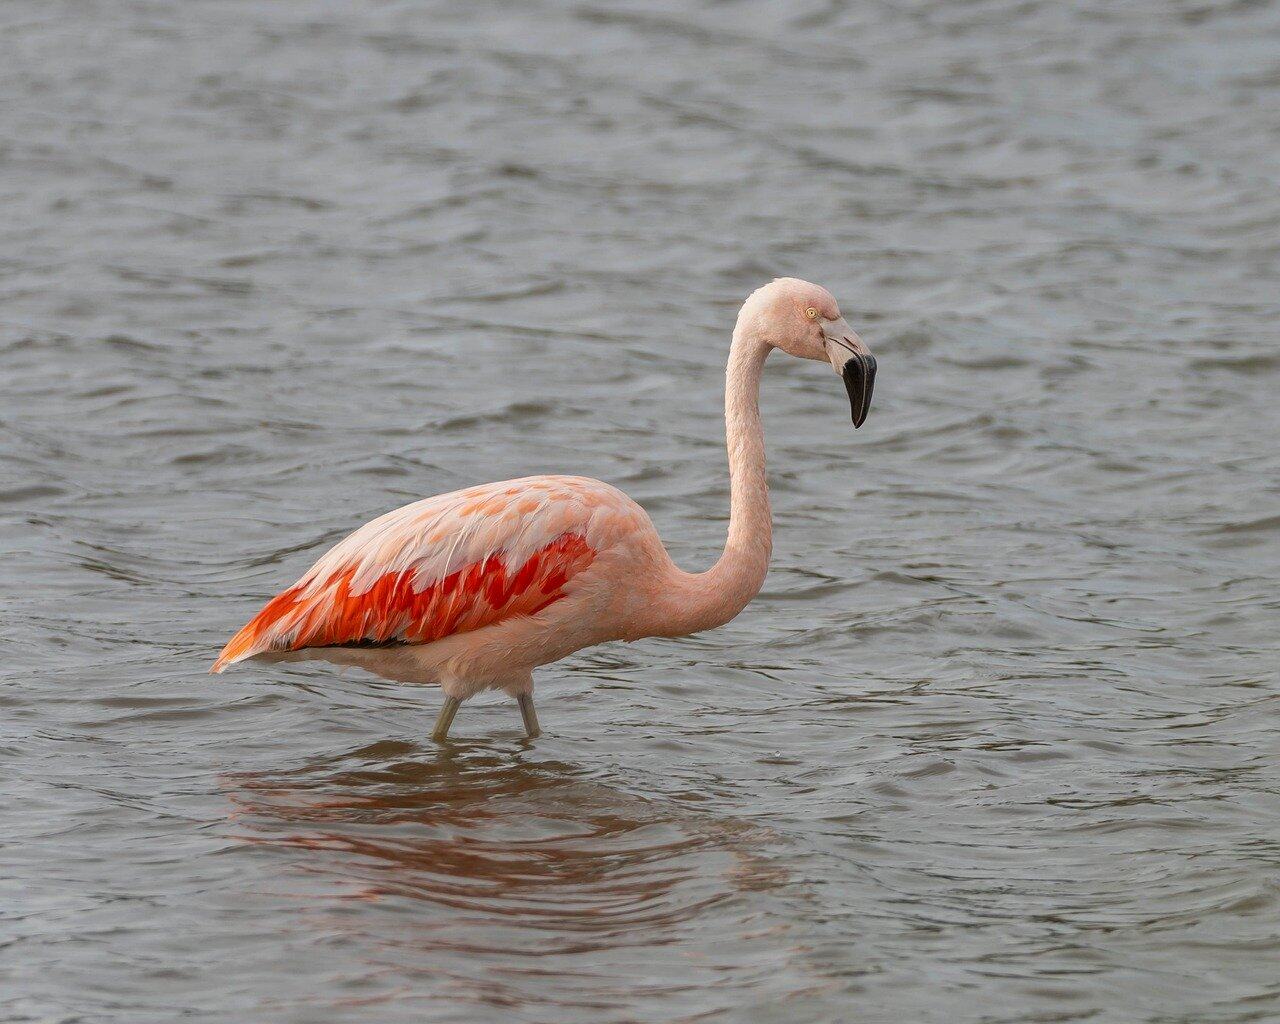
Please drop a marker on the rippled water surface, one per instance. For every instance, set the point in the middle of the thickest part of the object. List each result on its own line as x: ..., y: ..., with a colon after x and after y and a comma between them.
x: 999, y: 741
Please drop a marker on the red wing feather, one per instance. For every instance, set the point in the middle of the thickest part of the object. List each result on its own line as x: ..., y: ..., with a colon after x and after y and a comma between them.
x: 391, y: 610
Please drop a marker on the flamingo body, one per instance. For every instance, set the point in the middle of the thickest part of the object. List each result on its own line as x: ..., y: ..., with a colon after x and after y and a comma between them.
x: 423, y: 593
x: 474, y: 589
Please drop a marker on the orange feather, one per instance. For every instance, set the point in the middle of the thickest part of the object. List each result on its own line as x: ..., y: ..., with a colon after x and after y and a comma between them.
x: 391, y: 610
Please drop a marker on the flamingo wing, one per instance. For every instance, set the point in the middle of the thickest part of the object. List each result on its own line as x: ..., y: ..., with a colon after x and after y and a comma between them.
x: 444, y: 565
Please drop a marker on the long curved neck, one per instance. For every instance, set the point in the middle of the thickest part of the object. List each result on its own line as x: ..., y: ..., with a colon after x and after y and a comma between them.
x: 714, y: 597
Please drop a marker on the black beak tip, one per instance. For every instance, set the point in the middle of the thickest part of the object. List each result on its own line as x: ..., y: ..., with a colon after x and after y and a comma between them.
x: 859, y: 375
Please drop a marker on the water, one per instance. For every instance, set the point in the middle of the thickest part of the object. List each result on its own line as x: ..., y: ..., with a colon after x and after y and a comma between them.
x: 998, y: 741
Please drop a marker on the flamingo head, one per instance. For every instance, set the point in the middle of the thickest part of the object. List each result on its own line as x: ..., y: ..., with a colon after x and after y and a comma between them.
x: 804, y: 320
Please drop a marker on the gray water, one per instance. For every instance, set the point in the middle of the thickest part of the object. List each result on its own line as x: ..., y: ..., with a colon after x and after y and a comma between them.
x: 999, y: 740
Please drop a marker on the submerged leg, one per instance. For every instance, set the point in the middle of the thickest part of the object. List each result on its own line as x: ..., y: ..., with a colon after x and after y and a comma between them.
x: 525, y: 700
x: 447, y: 710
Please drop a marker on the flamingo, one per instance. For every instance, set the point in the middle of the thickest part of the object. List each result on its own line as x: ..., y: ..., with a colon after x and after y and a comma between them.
x: 474, y: 589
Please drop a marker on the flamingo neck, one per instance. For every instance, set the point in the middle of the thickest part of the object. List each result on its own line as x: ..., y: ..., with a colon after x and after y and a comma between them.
x: 714, y: 597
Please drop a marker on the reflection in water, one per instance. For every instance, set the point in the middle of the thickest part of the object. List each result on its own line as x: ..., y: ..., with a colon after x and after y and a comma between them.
x: 472, y: 851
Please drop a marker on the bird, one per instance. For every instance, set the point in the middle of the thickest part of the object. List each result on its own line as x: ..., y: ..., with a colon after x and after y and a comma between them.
x: 474, y: 589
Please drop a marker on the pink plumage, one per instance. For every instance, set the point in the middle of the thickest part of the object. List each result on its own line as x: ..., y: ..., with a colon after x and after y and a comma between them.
x: 449, y: 564
x: 474, y: 589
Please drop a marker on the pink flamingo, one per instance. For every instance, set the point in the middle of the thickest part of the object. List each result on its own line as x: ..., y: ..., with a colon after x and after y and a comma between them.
x: 475, y: 589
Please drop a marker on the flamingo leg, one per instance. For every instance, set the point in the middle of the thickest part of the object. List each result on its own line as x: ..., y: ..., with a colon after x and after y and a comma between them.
x: 450, y: 708
x: 530, y: 716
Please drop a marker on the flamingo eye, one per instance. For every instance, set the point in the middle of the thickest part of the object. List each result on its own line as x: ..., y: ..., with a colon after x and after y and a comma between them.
x: 811, y: 313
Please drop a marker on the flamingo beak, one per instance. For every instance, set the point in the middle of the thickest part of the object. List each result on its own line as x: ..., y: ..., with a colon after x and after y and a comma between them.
x: 855, y: 364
